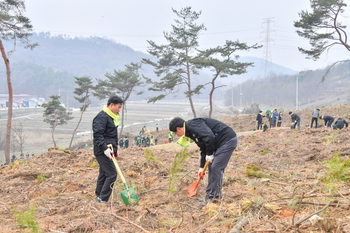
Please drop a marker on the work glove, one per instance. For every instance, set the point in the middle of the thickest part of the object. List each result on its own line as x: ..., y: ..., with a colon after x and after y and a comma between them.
x: 209, y: 158
x: 108, y: 153
x: 116, y: 155
x: 200, y: 174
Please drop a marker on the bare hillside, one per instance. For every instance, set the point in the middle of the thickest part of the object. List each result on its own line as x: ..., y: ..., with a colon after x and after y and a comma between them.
x: 281, y: 180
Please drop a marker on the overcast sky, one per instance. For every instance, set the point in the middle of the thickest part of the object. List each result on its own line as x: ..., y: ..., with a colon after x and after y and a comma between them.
x: 133, y: 22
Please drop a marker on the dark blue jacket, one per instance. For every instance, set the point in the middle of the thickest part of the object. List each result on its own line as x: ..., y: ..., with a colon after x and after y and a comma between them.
x: 294, y: 117
x: 339, y: 124
x: 209, y: 134
x: 327, y: 118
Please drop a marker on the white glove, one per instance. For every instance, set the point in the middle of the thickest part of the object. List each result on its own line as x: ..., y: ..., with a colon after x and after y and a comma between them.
x: 108, y: 153
x: 209, y: 158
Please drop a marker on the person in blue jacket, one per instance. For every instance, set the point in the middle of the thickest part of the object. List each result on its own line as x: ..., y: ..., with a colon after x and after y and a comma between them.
x: 274, y: 118
x: 340, y: 123
x: 216, y: 141
x: 328, y: 120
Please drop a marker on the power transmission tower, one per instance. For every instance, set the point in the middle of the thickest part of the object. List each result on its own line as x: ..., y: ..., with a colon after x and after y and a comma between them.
x: 267, y: 50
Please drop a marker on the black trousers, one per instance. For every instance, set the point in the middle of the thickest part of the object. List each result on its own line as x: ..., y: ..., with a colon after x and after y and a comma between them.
x: 314, y: 119
x: 259, y: 126
x: 106, y: 178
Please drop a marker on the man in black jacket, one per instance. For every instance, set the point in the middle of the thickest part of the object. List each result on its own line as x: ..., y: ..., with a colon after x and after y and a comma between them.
x: 328, y: 120
x: 216, y: 141
x: 295, y: 120
x: 259, y: 120
x: 105, y: 132
x: 340, y: 123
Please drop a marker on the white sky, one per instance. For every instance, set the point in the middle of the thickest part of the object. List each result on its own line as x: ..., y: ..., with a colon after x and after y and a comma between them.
x: 132, y: 22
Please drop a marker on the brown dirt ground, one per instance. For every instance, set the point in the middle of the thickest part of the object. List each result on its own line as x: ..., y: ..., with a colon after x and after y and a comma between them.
x: 289, y: 190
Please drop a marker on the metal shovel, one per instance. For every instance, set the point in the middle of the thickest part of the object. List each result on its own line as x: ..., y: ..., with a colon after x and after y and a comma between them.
x: 128, y: 195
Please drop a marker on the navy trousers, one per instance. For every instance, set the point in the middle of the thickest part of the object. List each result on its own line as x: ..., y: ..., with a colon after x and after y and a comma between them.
x: 217, y: 168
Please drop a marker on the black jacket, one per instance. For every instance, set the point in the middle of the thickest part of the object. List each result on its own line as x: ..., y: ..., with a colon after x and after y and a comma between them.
x: 209, y: 134
x: 295, y: 117
x: 104, y: 132
x: 327, y: 118
x: 340, y: 123
x: 259, y: 117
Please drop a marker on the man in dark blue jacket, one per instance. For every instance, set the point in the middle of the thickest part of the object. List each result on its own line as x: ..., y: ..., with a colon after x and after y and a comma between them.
x: 105, y: 132
x: 295, y: 120
x: 216, y: 141
x: 328, y: 120
x: 340, y: 123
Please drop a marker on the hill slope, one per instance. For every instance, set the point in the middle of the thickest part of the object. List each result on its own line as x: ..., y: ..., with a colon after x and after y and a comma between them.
x: 278, y: 195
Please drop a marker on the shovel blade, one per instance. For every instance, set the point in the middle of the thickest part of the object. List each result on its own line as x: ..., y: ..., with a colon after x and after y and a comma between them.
x: 192, y: 190
x: 129, y: 196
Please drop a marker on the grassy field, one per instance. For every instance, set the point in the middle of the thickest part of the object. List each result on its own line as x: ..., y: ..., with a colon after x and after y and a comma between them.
x: 38, y: 133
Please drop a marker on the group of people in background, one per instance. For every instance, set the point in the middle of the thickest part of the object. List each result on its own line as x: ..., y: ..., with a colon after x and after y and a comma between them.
x: 145, y: 139
x: 124, y: 142
x: 275, y: 119
x: 340, y: 123
x: 21, y: 156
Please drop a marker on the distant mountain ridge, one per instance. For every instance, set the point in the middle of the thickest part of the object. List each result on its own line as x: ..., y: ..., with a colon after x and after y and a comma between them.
x: 49, y: 69
x: 93, y: 56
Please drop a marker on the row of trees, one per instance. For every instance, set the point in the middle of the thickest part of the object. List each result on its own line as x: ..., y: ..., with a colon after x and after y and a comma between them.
x: 177, y: 62
x: 122, y: 83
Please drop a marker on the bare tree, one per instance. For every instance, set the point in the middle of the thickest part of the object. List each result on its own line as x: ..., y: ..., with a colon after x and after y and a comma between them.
x: 19, y: 137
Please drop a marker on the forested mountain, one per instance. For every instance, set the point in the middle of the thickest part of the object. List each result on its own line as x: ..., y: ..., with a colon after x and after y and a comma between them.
x: 79, y: 56
x: 49, y: 70
x: 50, y: 67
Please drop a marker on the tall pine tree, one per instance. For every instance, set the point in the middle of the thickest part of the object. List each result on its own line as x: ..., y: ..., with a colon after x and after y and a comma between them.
x: 174, y: 65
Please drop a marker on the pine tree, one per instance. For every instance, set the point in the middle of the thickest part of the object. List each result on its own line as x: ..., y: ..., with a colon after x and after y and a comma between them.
x: 223, y: 62
x: 16, y: 27
x: 83, y: 96
x: 122, y: 82
x: 55, y: 114
x: 174, y: 64
x: 322, y: 27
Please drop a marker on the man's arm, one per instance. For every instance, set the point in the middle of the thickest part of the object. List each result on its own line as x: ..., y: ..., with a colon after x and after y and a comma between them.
x: 99, y: 128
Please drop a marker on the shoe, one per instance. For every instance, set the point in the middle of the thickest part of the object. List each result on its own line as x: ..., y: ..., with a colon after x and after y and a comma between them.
x: 98, y: 199
x: 208, y: 200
